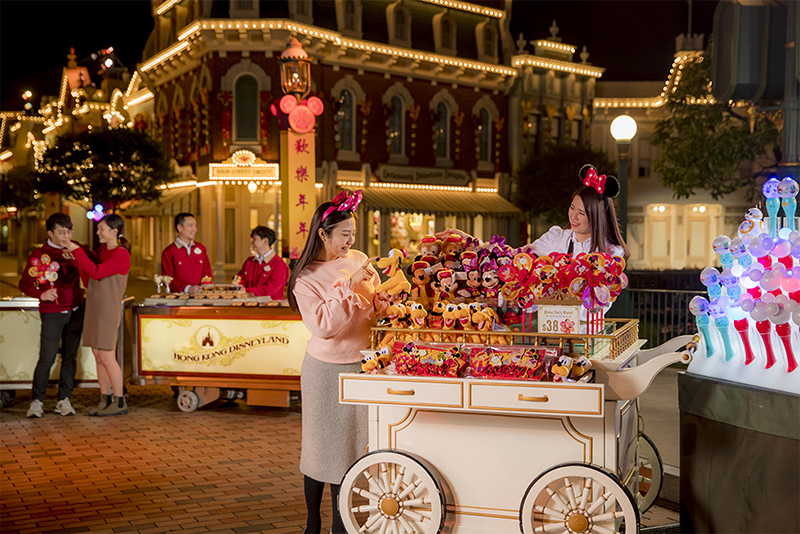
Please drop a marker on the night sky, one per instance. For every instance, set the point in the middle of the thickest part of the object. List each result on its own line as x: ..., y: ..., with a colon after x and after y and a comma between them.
x: 632, y: 39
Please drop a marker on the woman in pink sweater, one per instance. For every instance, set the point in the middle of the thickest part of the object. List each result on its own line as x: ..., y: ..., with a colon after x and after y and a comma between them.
x: 333, y: 289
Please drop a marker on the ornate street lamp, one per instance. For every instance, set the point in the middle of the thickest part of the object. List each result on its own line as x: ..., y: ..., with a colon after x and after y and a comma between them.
x: 623, y: 128
x: 295, y: 70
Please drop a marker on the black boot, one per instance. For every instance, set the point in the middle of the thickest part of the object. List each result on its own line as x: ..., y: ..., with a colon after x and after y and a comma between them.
x: 337, y: 527
x: 313, y: 491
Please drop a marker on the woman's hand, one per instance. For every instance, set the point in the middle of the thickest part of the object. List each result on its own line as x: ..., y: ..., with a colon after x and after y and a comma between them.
x: 363, y: 273
x: 71, y: 246
x: 443, y: 234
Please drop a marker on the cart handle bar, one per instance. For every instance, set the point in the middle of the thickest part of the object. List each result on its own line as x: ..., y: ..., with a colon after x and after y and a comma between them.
x: 391, y: 391
x: 522, y: 397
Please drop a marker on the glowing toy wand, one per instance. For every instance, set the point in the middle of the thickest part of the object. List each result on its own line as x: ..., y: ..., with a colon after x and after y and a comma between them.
x: 699, y: 308
x: 787, y: 190
x: 770, y: 191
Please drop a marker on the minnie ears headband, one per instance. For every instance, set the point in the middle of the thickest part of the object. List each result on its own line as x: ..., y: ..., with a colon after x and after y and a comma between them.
x: 344, y: 201
x: 607, y: 186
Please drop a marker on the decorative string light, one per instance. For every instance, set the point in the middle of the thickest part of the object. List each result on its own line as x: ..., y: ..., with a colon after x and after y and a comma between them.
x: 554, y: 64
x: 472, y: 8
x: 423, y: 187
x: 166, y: 6
x: 336, y: 39
x: 556, y: 46
x: 139, y: 99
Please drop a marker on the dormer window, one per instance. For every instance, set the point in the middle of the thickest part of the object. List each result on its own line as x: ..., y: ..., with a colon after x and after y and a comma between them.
x: 244, y: 9
x: 348, y: 17
x: 398, y: 18
x: 444, y: 33
x: 486, y: 37
x: 301, y: 11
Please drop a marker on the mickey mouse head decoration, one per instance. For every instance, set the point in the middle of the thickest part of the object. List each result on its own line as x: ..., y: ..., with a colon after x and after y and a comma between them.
x: 302, y: 116
x: 606, y: 185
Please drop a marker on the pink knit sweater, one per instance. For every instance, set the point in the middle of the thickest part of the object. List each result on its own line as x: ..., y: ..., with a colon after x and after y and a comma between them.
x: 339, y: 319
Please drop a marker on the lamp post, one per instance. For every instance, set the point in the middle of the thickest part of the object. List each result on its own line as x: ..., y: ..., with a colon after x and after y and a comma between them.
x: 295, y: 70
x: 298, y: 150
x: 623, y: 128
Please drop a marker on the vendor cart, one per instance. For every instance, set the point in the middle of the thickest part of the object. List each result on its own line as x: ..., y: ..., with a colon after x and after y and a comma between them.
x: 488, y: 455
x: 221, y: 350
x: 20, y: 327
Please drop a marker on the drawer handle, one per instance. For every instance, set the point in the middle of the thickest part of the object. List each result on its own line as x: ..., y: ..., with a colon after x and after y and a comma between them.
x: 522, y: 397
x: 391, y: 391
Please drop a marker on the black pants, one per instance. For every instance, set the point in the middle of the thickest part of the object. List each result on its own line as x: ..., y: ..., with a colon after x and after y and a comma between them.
x: 66, y: 329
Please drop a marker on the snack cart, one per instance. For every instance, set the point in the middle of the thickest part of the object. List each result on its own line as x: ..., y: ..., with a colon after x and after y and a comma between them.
x: 220, y: 348
x: 21, y: 325
x: 487, y: 455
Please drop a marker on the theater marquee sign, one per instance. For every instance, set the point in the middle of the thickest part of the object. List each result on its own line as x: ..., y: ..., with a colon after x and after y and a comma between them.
x: 222, y: 346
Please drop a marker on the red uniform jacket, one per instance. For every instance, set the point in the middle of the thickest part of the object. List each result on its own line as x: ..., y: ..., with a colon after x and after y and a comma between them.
x: 186, y: 269
x: 68, y: 284
x: 265, y: 279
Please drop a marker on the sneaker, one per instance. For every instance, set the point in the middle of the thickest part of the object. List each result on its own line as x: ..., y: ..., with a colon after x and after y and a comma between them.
x: 63, y: 407
x: 36, y: 408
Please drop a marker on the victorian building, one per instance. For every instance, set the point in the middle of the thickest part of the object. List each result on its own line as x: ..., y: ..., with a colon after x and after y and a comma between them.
x: 416, y: 115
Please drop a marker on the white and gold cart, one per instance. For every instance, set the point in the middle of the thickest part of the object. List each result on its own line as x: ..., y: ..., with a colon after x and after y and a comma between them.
x: 480, y: 456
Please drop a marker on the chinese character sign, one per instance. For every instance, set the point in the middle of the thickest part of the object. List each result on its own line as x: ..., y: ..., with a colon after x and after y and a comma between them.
x: 298, y: 166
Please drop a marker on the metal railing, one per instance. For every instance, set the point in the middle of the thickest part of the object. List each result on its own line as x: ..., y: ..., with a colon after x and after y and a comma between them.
x: 663, y: 313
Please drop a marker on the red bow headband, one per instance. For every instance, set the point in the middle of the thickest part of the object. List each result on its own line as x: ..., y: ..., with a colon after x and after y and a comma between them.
x: 605, y: 185
x: 344, y: 201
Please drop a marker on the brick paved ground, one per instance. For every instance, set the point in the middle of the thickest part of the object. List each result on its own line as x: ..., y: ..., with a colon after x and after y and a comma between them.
x: 226, y: 468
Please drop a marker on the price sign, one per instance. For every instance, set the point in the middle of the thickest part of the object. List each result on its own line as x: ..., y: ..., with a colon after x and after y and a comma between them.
x: 558, y: 319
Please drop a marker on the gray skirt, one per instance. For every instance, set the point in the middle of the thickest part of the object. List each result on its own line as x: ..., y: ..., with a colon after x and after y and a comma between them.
x: 334, y: 435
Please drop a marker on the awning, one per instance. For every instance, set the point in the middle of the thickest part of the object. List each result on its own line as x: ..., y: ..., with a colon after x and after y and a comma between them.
x: 439, y: 202
x: 182, y: 196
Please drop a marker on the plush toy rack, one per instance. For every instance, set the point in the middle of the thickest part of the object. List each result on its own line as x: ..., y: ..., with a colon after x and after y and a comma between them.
x: 617, y: 336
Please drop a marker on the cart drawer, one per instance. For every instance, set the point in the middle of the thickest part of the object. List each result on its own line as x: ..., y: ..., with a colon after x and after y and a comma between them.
x: 567, y: 399
x: 405, y: 392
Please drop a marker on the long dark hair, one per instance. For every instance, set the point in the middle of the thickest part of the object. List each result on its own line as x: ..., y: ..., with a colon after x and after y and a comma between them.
x: 117, y: 223
x: 314, y: 244
x: 602, y: 219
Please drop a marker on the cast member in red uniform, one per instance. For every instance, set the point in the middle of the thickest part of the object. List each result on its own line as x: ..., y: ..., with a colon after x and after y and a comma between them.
x: 185, y: 260
x: 264, y: 274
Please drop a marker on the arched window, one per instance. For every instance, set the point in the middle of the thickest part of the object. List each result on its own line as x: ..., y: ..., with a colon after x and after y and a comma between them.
x: 484, y: 136
x: 442, y: 131
x: 396, y: 127
x: 400, y: 23
x: 246, y: 114
x: 447, y: 33
x: 349, y: 15
x: 346, y: 115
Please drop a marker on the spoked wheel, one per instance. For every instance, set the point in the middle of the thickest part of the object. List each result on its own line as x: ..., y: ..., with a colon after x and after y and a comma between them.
x: 391, y: 491
x: 578, y: 498
x: 188, y: 401
x: 650, y: 472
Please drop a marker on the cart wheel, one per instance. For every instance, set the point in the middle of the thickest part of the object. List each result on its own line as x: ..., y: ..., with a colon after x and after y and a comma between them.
x: 391, y: 491
x: 7, y: 396
x: 578, y: 498
x: 188, y: 401
x: 651, y: 474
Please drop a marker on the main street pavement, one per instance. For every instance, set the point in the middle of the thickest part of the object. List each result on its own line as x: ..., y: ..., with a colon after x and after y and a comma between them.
x: 225, y: 468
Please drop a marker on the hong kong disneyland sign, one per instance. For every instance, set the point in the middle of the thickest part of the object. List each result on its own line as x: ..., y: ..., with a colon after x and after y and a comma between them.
x: 220, y: 346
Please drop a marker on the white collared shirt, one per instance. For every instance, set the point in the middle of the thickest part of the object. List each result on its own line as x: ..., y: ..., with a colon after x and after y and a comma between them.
x: 181, y: 244
x: 557, y: 239
x: 265, y: 258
